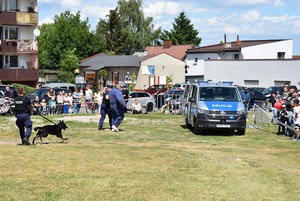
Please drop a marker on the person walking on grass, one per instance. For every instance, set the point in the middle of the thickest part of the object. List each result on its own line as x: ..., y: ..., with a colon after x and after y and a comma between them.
x: 23, y: 108
x: 105, y: 109
x: 117, y: 105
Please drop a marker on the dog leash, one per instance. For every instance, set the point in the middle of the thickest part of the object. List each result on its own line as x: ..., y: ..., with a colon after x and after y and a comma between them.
x: 47, y: 119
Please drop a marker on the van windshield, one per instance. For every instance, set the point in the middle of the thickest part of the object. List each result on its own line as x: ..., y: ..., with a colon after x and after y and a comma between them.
x: 228, y: 94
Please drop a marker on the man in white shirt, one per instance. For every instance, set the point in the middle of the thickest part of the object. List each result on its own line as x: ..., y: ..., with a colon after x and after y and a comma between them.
x: 136, y: 107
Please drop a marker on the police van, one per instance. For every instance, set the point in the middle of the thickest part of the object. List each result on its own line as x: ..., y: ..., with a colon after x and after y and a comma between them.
x: 207, y: 106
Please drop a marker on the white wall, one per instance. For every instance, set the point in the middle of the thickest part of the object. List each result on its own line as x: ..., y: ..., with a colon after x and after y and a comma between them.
x: 266, y: 71
x: 24, y: 4
x: 26, y: 33
x: 165, y: 65
x: 197, y: 68
x: 269, y: 50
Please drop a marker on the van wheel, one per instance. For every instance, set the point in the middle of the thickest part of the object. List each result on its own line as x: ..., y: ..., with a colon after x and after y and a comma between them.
x: 241, y: 132
x: 197, y: 131
x: 187, y: 124
x: 149, y: 107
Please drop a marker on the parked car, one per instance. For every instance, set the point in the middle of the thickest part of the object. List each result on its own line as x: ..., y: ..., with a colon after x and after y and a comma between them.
x: 1, y: 98
x: 179, y: 86
x: 272, y: 89
x: 258, y: 89
x: 144, y: 98
x: 255, y: 96
x: 42, y: 93
x: 156, y: 88
x: 68, y: 86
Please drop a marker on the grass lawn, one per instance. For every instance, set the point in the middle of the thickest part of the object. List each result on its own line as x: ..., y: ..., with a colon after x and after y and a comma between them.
x: 154, y: 157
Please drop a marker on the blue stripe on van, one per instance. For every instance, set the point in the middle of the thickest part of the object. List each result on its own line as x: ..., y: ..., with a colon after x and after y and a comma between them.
x: 221, y: 105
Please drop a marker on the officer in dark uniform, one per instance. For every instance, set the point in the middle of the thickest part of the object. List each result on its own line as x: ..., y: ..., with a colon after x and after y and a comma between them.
x: 125, y: 94
x: 23, y: 108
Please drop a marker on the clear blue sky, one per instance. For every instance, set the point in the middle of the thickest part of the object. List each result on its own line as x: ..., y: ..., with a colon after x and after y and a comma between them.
x: 250, y: 19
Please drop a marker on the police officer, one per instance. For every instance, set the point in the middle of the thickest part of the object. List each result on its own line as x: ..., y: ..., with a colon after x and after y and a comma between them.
x: 245, y: 94
x: 23, y: 108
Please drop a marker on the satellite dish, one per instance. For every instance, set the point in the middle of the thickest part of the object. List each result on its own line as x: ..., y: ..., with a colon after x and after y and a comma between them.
x: 36, y: 32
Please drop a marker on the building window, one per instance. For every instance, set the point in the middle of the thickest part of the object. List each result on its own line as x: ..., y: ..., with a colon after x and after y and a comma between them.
x: 236, y: 56
x: 1, y: 62
x: 280, y: 55
x: 196, y: 59
x: 10, y: 33
x: 8, y: 5
x: 11, y: 61
x: 251, y: 82
x: 12, y: 5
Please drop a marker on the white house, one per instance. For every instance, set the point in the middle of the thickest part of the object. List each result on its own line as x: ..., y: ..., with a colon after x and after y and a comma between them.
x: 245, y: 62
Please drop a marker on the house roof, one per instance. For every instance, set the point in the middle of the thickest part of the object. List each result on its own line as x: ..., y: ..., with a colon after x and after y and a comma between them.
x: 177, y: 51
x: 235, y: 46
x: 152, y: 56
x: 102, y: 60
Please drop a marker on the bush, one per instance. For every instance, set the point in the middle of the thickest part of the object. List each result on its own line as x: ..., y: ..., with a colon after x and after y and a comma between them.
x: 27, y: 88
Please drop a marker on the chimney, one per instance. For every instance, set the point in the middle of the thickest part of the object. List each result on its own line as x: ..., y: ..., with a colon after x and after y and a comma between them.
x: 238, y: 42
x: 167, y: 43
x: 225, y: 38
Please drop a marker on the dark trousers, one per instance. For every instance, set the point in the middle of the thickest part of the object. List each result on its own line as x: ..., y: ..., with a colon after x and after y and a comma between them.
x: 23, y: 121
x: 104, y: 111
x: 117, y: 115
x: 283, y: 127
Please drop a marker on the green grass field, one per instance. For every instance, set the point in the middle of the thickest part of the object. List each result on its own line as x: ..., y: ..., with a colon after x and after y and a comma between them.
x: 154, y: 157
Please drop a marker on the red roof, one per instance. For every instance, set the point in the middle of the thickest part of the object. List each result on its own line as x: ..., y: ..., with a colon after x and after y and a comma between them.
x: 296, y: 57
x: 177, y: 51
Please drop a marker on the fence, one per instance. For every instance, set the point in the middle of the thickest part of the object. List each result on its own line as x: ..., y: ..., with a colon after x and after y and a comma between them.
x: 262, y: 115
x: 169, y: 102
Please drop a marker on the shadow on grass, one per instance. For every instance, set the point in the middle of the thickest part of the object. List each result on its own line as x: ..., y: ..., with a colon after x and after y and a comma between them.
x: 216, y: 132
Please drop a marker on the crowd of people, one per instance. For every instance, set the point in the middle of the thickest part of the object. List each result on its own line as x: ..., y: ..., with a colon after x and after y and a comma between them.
x: 286, y: 111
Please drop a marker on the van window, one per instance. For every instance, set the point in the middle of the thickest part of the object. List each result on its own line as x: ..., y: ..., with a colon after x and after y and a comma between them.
x: 218, y: 94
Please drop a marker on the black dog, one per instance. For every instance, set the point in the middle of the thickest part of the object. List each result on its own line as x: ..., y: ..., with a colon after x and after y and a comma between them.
x: 55, y: 129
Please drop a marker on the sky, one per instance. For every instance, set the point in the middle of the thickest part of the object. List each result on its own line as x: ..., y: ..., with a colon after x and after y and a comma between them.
x: 250, y: 19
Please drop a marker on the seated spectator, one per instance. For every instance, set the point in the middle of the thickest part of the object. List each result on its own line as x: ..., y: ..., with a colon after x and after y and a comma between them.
x: 8, y: 93
x: 136, y: 107
x: 52, y: 106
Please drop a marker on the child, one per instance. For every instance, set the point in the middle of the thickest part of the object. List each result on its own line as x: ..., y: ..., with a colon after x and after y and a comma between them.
x: 283, y: 118
x: 66, y: 104
x: 52, y: 106
x: 44, y: 107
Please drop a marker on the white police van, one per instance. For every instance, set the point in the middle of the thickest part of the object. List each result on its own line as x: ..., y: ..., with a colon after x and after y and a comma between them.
x: 207, y: 106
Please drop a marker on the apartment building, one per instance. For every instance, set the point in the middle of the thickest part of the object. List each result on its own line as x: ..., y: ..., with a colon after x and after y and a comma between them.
x: 18, y: 42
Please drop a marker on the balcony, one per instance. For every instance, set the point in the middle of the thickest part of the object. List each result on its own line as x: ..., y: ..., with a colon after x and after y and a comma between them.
x: 27, y: 18
x: 18, y: 18
x: 18, y: 47
x: 19, y: 75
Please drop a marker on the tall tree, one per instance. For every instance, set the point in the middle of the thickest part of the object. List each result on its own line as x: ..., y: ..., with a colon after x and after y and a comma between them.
x: 67, y: 33
x: 183, y: 32
x: 138, y: 29
x: 111, y: 30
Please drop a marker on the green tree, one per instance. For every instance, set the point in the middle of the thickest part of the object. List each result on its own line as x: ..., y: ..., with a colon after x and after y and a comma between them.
x: 65, y: 76
x: 69, y: 62
x: 183, y: 32
x: 67, y: 33
x: 111, y: 31
x: 137, y: 28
